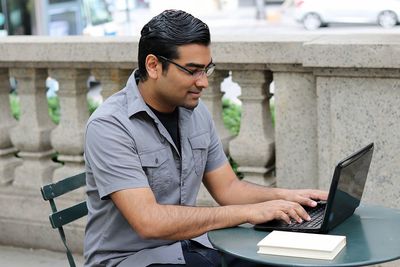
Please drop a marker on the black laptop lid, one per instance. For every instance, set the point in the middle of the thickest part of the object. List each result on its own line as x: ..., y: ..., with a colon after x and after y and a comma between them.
x: 345, y: 194
x: 347, y: 187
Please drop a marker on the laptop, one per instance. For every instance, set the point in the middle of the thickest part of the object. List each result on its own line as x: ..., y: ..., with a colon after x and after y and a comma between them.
x: 344, y: 197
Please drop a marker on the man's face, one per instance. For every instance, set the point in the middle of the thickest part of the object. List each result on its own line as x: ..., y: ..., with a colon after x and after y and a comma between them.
x: 175, y: 87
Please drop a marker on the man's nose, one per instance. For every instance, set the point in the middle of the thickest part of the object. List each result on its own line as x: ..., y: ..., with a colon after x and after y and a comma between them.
x: 202, y: 81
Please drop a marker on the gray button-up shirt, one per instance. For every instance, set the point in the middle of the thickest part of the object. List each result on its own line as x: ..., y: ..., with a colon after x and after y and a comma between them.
x: 126, y: 146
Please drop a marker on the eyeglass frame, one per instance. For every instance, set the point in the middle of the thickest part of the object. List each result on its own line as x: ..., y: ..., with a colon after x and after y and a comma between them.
x: 207, y: 71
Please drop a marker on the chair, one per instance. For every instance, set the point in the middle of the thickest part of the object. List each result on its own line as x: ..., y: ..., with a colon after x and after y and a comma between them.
x: 62, y: 217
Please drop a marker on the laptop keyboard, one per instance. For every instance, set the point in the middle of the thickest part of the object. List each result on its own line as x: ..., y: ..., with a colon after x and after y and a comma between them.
x: 316, y: 214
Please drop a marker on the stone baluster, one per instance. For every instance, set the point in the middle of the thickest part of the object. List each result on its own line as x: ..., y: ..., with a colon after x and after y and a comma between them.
x: 212, y: 97
x: 67, y: 138
x: 31, y: 136
x: 8, y: 161
x: 112, y: 80
x: 253, y: 148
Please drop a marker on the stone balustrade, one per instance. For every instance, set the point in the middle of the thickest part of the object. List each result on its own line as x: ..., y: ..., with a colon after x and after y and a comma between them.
x: 332, y: 94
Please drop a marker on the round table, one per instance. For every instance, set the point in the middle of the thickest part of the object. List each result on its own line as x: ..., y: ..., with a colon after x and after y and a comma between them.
x: 372, y: 232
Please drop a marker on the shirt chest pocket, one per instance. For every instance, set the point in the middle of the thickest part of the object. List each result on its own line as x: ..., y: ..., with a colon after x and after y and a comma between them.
x: 199, y: 145
x: 156, y: 165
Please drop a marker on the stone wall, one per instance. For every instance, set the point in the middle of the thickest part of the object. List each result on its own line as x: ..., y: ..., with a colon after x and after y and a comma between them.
x: 333, y: 95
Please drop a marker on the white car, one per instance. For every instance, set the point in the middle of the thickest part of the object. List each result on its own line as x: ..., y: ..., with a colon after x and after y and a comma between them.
x: 316, y: 13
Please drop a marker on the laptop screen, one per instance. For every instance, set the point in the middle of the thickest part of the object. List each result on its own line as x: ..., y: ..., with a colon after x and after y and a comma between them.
x: 353, y: 175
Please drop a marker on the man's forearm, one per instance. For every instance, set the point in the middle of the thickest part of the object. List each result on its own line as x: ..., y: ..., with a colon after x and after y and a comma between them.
x: 227, y: 189
x: 152, y: 220
x: 158, y: 221
x: 243, y: 192
x: 182, y: 222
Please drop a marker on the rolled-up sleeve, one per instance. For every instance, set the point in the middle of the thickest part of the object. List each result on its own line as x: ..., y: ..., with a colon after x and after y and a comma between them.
x: 112, y: 157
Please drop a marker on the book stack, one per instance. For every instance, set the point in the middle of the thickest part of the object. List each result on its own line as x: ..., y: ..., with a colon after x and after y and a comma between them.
x: 304, y: 245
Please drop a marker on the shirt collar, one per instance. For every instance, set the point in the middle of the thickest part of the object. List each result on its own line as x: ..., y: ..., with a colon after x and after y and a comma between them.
x: 135, y: 102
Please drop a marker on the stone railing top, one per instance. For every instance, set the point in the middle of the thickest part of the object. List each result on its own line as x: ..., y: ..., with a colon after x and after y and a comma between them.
x: 346, y: 51
x: 71, y: 50
x: 273, y: 49
x: 353, y: 51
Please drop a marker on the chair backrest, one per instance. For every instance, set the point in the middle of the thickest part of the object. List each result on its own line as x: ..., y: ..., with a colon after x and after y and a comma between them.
x: 59, y: 218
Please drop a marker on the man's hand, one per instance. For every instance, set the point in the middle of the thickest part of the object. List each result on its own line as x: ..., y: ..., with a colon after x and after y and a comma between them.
x: 276, y: 209
x: 288, y: 207
x: 305, y: 197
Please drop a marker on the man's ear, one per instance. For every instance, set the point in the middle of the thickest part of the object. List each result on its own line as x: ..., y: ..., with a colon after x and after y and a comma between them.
x: 153, y: 66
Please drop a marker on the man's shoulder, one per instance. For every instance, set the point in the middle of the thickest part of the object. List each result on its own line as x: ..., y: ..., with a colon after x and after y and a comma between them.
x: 115, y: 105
x: 112, y: 109
x: 201, y: 112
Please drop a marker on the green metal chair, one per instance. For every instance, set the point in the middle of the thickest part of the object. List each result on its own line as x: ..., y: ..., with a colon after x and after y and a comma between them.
x: 59, y: 218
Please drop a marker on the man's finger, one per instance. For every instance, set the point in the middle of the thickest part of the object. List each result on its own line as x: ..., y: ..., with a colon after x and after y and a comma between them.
x: 304, y: 201
x: 319, y: 195
x: 294, y: 214
x: 283, y: 216
x: 302, y: 213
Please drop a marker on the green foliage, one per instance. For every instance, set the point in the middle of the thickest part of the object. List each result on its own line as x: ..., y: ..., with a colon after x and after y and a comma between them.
x: 14, y: 103
x: 272, y: 109
x: 53, y: 107
x: 231, y: 113
x: 92, y: 105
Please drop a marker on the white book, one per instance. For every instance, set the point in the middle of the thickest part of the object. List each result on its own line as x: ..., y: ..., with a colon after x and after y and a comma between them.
x: 304, y: 245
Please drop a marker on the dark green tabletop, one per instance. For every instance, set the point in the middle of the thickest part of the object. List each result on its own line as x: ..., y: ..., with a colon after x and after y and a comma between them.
x: 372, y: 232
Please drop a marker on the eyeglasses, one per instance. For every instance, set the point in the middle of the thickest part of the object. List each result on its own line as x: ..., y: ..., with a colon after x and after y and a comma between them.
x: 196, y: 74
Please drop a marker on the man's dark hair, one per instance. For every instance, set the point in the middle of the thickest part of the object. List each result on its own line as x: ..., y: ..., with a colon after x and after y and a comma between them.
x: 162, y: 35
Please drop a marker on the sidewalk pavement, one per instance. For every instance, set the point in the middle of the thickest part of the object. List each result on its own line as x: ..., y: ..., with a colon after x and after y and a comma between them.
x: 22, y: 257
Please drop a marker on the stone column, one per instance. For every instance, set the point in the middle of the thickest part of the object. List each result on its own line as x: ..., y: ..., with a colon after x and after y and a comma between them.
x: 67, y: 138
x: 8, y: 161
x: 32, y: 134
x: 355, y: 107
x: 253, y: 148
x: 212, y: 97
x: 112, y: 80
x: 296, y: 128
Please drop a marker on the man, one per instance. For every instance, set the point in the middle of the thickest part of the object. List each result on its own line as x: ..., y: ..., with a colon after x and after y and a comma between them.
x: 148, y: 148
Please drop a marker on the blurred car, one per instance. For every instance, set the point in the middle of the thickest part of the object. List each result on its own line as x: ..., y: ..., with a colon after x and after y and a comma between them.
x: 316, y: 13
